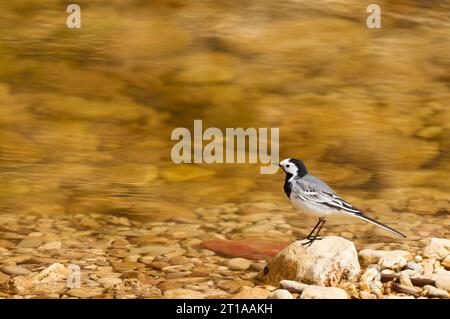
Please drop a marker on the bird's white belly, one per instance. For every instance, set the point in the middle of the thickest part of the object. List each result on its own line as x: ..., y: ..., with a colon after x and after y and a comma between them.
x: 312, y: 209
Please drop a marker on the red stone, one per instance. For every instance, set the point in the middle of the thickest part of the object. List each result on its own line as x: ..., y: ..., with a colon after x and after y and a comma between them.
x: 250, y: 249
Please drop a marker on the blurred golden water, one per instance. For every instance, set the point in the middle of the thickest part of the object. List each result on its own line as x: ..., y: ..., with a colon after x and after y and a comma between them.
x: 86, y: 114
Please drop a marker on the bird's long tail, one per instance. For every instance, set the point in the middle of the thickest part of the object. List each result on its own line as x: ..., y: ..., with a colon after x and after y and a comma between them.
x: 375, y: 222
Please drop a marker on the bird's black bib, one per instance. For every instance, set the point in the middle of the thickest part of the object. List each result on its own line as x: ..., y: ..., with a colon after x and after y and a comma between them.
x: 288, y: 185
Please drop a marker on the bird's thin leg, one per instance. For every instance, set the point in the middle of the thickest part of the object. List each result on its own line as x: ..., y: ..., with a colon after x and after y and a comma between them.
x: 311, y: 238
x: 312, y: 231
x: 316, y: 236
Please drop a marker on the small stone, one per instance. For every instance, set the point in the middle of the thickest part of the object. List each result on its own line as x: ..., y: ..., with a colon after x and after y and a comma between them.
x: 233, y: 286
x: 29, y: 243
x: 436, y: 292
x: 238, y: 263
x: 446, y: 262
x: 404, y: 280
x: 249, y: 249
x: 85, y: 292
x: 370, y: 274
x: 146, y: 259
x: 317, y: 292
x: 395, y: 259
x: 437, y: 248
x: 3, y: 278
x: 366, y: 295
x: 180, y: 293
x: 109, y: 282
x: 252, y: 293
x: 415, y: 291
x: 280, y: 294
x: 414, y: 266
x: 443, y: 280
x: 179, y: 260
x: 126, y: 265
x: 418, y: 258
x: 293, y: 286
x: 51, y: 245
x: 15, y: 270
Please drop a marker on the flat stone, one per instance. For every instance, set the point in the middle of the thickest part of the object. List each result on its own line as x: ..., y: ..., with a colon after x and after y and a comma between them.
x: 437, y: 248
x: 85, y: 292
x: 234, y: 286
x: 238, y: 263
x: 280, y: 294
x: 436, y: 292
x: 127, y: 265
x: 252, y: 293
x: 249, y: 249
x: 30, y: 243
x: 15, y: 270
x: 51, y: 245
x: 317, y: 292
x: 326, y: 262
x: 183, y: 294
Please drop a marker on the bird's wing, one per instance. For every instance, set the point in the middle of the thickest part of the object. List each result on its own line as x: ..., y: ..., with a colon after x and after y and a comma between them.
x: 313, y: 190
x: 310, y: 190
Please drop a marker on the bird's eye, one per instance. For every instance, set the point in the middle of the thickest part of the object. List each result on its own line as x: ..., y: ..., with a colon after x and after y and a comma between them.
x: 287, y: 165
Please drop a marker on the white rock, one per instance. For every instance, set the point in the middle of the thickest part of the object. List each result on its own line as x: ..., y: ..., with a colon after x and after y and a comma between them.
x: 51, y: 279
x: 370, y: 274
x: 326, y: 262
x: 398, y: 297
x: 280, y: 294
x: 443, y: 280
x: 293, y: 286
x: 436, y: 292
x: 395, y: 259
x: 437, y: 248
x: 414, y: 266
x: 317, y: 292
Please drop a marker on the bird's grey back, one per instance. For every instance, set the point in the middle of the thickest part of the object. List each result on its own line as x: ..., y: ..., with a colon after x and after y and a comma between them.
x: 316, y: 183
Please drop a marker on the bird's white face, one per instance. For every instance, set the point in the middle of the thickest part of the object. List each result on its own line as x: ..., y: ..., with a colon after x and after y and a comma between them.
x: 288, y: 167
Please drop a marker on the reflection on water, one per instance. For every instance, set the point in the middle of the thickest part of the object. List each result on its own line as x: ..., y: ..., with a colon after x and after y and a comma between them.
x: 86, y: 115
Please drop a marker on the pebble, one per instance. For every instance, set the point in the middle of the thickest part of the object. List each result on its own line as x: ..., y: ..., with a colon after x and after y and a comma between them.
x: 180, y: 293
x: 252, y: 293
x: 370, y: 274
x: 238, y: 263
x: 51, y: 245
x: 436, y: 292
x: 280, y: 294
x: 293, y: 286
x: 318, y: 292
x: 404, y: 280
x: 366, y: 295
x: 85, y: 292
x: 414, y: 266
x: 443, y: 281
x: 15, y: 270
x: 109, y: 282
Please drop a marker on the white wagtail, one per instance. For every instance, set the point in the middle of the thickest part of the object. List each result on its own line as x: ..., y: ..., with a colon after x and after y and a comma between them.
x: 314, y: 197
